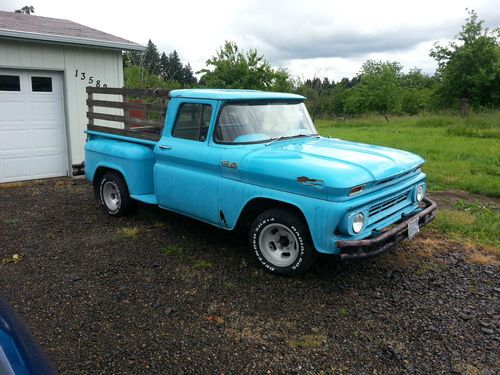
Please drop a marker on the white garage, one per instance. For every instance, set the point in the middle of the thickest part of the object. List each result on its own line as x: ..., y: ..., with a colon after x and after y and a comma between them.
x: 45, y: 66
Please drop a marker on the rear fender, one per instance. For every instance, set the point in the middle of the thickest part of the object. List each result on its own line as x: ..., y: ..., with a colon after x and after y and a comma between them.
x: 134, y: 161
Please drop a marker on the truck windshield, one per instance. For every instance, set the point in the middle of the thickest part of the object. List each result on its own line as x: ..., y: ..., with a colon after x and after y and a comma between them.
x: 262, y: 122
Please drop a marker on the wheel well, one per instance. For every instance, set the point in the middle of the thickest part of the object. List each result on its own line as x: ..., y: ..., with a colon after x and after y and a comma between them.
x: 101, y: 171
x: 258, y: 205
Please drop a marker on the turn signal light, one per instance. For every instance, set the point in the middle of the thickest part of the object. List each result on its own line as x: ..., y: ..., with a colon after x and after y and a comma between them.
x: 357, y: 189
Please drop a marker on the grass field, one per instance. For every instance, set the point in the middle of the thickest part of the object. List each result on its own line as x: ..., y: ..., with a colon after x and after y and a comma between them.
x: 461, y: 154
x: 471, y: 222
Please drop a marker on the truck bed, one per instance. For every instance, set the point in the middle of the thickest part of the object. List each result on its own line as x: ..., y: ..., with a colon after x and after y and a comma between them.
x: 132, y: 113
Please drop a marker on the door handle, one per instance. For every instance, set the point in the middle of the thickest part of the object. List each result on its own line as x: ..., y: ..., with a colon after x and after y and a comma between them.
x: 165, y: 147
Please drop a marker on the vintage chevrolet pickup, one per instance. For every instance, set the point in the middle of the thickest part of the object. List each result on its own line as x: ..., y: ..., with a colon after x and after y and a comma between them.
x: 254, y: 160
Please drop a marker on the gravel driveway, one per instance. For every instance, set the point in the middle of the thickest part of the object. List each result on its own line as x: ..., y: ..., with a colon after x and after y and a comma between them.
x: 160, y: 293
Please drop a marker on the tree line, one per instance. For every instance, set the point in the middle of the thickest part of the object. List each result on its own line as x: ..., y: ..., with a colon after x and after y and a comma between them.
x: 150, y: 69
x: 468, y: 75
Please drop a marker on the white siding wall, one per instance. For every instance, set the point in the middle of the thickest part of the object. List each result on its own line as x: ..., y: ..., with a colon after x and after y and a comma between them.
x: 100, y: 64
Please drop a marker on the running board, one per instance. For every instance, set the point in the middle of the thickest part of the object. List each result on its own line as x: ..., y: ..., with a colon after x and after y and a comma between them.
x: 145, y: 198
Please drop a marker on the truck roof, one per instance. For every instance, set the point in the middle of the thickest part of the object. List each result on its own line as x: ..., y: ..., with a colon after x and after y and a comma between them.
x: 233, y: 94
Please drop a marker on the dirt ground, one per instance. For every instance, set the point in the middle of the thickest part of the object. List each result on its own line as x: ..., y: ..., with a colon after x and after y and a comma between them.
x: 159, y: 293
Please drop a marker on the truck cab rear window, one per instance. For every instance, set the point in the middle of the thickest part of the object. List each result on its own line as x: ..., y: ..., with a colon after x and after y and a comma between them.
x: 9, y: 83
x: 41, y: 84
x: 193, y: 121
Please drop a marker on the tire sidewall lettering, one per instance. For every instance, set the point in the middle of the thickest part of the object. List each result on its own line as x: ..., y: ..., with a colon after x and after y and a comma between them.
x: 101, y: 194
x: 254, y: 237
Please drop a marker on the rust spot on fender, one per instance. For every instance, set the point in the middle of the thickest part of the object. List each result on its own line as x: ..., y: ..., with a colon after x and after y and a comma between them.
x: 319, y: 184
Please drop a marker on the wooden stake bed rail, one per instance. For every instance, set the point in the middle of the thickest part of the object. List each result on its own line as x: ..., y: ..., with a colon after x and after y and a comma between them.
x: 143, y: 111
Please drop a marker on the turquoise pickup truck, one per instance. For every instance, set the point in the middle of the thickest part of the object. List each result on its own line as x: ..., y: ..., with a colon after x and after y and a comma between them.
x: 253, y: 160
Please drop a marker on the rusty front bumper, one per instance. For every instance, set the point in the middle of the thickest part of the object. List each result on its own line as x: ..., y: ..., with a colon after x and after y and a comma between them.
x: 356, y: 249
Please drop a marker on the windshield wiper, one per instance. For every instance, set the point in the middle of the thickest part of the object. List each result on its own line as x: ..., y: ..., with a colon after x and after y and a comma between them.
x: 282, y: 137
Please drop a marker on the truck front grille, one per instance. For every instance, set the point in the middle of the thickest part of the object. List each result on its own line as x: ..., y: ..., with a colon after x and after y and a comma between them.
x: 387, y: 204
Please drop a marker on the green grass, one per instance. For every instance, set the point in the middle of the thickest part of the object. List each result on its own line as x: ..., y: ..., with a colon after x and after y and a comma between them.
x: 128, y: 233
x: 229, y: 285
x: 470, y: 222
x: 307, y: 341
x: 202, y: 264
x: 343, y: 311
x: 174, y: 250
x: 460, y: 153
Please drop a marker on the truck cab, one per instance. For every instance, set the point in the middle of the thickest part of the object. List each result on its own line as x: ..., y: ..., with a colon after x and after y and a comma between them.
x: 254, y: 160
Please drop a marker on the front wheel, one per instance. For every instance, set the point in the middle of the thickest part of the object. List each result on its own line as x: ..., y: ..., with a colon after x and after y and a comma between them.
x: 114, y: 195
x: 281, y: 242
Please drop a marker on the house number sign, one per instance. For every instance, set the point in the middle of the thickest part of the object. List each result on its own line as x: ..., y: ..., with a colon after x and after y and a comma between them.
x: 90, y: 79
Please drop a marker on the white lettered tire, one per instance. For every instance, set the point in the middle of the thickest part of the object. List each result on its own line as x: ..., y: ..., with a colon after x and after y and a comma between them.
x: 281, y: 242
x: 114, y: 195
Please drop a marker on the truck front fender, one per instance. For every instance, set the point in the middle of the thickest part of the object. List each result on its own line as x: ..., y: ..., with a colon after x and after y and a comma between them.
x: 240, y: 203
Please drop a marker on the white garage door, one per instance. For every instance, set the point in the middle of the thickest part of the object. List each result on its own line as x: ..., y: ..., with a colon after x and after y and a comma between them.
x: 32, y: 130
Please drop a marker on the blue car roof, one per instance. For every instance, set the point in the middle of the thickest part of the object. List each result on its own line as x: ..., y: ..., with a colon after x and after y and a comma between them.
x: 232, y: 94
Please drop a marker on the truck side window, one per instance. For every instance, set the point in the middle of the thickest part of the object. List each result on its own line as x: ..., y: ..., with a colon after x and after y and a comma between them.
x: 193, y: 121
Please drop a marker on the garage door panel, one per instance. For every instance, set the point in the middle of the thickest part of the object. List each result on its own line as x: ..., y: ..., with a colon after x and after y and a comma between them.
x: 45, y: 111
x: 16, y: 168
x: 12, y: 111
x: 32, y: 133
x: 13, y: 140
x: 47, y: 165
x: 46, y: 138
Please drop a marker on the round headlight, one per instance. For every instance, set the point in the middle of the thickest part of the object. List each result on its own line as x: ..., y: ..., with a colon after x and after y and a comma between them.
x: 420, y: 193
x: 358, y: 223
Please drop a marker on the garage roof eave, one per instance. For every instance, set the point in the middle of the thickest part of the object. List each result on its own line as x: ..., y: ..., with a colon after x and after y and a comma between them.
x: 62, y: 39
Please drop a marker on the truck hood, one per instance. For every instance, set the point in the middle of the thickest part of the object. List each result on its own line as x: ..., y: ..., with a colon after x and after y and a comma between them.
x: 313, y: 166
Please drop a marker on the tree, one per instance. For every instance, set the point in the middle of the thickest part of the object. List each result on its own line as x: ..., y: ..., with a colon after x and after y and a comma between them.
x: 339, y: 99
x: 232, y: 68
x: 349, y: 83
x: 167, y: 67
x: 326, y: 83
x: 137, y: 77
x: 378, y: 89
x: 417, y: 91
x: 283, y: 81
x: 131, y: 58
x: 317, y: 92
x: 469, y: 67
x: 151, y: 58
x: 27, y: 9
x: 188, y: 78
x: 175, y: 67
x: 164, y: 66
x: 171, y: 69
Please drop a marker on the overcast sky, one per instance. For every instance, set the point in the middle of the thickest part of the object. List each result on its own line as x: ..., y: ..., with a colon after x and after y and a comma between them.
x: 308, y: 37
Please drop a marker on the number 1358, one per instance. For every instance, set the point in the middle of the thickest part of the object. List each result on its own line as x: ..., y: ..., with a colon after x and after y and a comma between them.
x: 91, y: 79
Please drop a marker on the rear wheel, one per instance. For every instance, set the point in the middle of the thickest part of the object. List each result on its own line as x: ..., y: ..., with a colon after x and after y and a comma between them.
x: 114, y: 195
x: 281, y: 242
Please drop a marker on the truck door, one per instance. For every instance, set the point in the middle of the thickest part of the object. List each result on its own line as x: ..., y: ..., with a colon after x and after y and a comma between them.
x: 187, y: 170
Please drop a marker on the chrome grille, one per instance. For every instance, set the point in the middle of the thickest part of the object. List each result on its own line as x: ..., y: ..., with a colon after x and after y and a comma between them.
x: 380, y: 207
